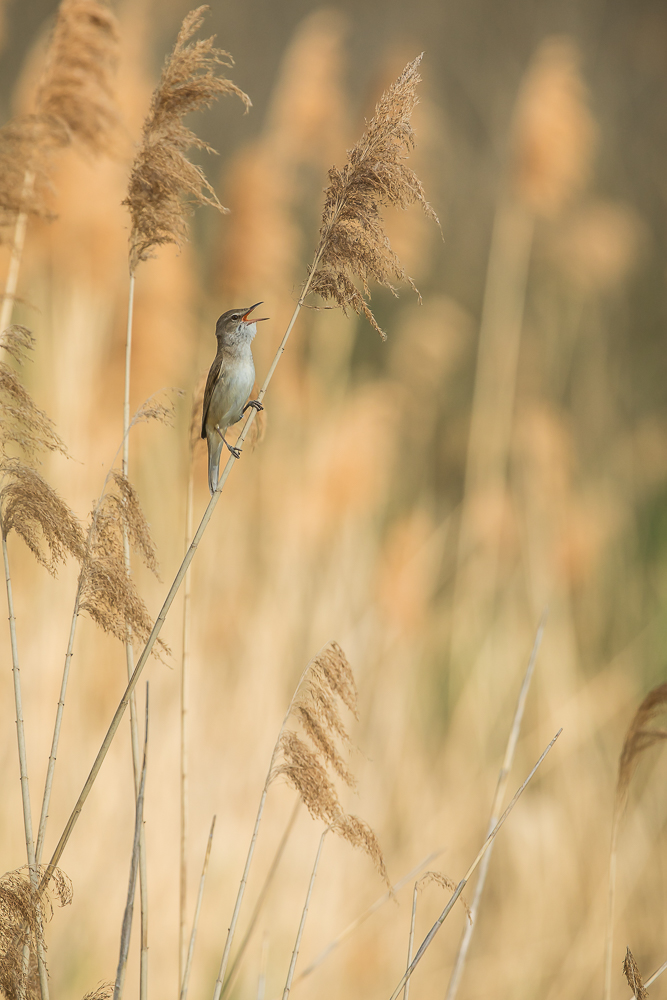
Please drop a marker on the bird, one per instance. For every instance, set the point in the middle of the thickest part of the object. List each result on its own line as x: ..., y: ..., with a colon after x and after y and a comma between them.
x: 229, y: 384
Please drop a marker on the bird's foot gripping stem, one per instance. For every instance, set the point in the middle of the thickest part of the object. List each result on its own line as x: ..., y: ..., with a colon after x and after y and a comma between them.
x: 236, y: 452
x: 255, y: 403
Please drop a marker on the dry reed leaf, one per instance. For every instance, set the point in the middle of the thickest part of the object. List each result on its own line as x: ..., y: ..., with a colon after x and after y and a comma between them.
x: 21, y: 422
x: 445, y: 883
x: 328, y: 677
x: 33, y: 509
x: 162, y: 178
x: 352, y: 238
x: 554, y: 133
x: 639, y: 738
x: 23, y: 910
x: 77, y: 88
x: 633, y: 976
x: 108, y: 593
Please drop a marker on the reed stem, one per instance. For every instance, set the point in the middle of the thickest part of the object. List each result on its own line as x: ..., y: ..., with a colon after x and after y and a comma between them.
x: 195, y: 921
x: 16, y: 254
x: 411, y: 938
x: 302, y: 923
x: 185, y: 685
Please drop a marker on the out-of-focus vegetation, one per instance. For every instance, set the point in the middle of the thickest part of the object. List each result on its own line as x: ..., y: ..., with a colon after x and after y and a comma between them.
x: 421, y: 500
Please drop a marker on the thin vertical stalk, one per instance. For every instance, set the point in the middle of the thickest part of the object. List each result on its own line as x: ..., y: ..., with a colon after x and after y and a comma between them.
x: 462, y: 884
x: 302, y: 923
x: 134, y: 865
x: 253, y: 840
x: 611, y: 905
x: 11, y: 282
x: 411, y: 938
x: 23, y: 767
x: 236, y: 964
x: 263, y: 962
x: 185, y: 686
x: 173, y: 590
x: 129, y: 658
x: 503, y: 777
x: 195, y: 921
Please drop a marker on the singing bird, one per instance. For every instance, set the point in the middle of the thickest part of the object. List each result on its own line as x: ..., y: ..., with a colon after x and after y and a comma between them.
x: 229, y: 384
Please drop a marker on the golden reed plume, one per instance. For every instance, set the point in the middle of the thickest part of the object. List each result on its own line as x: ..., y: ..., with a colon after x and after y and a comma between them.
x: 162, y: 176
x: 353, y: 242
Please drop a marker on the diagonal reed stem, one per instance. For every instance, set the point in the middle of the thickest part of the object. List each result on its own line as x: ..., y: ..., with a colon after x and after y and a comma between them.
x: 173, y: 590
x: 195, y: 921
x: 503, y: 777
x: 411, y: 937
x: 302, y: 923
x: 134, y: 865
x: 462, y: 884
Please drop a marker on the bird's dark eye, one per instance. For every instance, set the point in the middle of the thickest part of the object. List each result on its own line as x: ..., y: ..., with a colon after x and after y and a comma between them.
x: 236, y: 316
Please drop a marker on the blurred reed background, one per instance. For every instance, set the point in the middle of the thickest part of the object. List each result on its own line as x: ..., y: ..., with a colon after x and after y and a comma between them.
x: 420, y: 500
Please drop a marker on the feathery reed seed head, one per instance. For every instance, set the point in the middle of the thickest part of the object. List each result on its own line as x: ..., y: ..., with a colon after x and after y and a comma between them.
x: 33, y: 509
x: 633, y: 976
x: 328, y: 678
x: 108, y: 592
x: 78, y: 85
x: 641, y: 736
x: 353, y: 243
x: 22, y: 423
x: 25, y: 146
x: 445, y: 883
x: 162, y: 177
x: 23, y: 909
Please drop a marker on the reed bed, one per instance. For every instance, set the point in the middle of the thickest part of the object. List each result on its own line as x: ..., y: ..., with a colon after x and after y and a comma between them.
x: 422, y: 500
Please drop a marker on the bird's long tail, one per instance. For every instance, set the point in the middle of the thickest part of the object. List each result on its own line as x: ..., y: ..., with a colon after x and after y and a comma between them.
x: 214, y: 442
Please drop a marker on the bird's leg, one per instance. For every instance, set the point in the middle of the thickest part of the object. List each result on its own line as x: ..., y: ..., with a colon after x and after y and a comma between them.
x: 255, y: 403
x: 236, y: 452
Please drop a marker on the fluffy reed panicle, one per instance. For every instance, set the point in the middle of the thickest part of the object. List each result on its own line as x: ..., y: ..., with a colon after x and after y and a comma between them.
x: 33, y: 509
x: 327, y: 682
x: 75, y: 100
x: 641, y: 736
x: 103, y: 992
x: 353, y: 243
x: 554, y: 133
x: 22, y: 423
x: 23, y: 909
x: 633, y: 976
x: 108, y: 592
x: 162, y: 178
x: 78, y: 85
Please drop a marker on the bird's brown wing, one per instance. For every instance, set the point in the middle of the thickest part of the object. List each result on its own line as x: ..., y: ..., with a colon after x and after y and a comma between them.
x: 214, y: 374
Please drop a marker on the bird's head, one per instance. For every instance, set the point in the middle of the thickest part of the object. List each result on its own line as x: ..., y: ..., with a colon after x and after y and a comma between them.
x: 236, y: 325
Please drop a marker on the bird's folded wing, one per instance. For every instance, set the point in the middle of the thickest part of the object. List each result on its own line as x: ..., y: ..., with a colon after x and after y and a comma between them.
x: 211, y: 382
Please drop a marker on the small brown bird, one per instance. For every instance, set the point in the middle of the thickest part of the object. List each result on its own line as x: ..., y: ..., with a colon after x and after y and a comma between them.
x: 229, y: 384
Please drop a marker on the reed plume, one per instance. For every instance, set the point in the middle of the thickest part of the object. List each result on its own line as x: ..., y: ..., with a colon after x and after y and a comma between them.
x: 633, y: 976
x: 77, y: 88
x: 162, y: 178
x: 642, y: 734
x: 353, y: 243
x: 23, y: 910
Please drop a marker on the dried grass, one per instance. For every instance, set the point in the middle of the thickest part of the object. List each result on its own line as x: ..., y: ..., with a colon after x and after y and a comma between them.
x: 26, y: 144
x: 353, y: 243
x: 633, y: 976
x: 23, y: 910
x: 78, y: 86
x: 162, y: 177
x: 103, y: 992
x: 33, y: 509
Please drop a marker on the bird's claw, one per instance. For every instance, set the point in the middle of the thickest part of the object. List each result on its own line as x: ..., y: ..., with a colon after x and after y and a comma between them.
x: 236, y: 452
x: 255, y: 403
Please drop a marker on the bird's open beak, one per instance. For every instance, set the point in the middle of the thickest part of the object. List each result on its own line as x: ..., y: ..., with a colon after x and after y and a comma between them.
x: 259, y: 319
